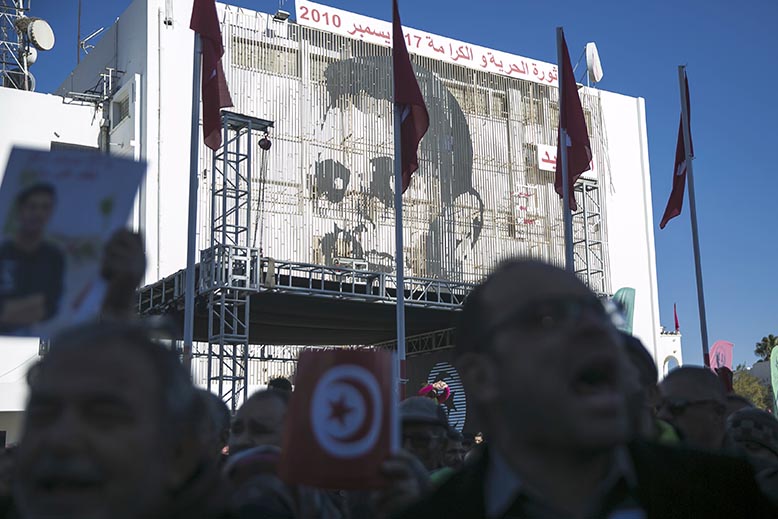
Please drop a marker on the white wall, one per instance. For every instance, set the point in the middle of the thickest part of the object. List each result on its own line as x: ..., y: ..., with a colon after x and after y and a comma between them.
x: 630, y: 218
x: 168, y: 98
x: 153, y: 45
x: 669, y: 348
x: 34, y: 120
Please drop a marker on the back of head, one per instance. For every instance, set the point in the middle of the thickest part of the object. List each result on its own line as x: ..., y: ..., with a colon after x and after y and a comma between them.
x: 641, y: 359
x: 280, y: 383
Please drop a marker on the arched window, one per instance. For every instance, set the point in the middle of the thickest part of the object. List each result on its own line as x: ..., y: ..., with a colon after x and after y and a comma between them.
x: 670, y: 364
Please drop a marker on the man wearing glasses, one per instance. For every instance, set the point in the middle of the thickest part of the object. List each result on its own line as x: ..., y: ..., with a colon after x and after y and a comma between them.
x: 693, y: 400
x: 547, y: 376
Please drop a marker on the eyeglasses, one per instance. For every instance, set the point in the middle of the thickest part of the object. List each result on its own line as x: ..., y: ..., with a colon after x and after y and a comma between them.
x: 678, y: 406
x: 421, y: 441
x: 554, y: 313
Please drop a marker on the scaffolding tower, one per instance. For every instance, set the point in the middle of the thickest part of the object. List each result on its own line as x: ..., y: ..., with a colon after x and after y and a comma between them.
x: 12, y: 68
x: 589, y: 254
x: 229, y: 271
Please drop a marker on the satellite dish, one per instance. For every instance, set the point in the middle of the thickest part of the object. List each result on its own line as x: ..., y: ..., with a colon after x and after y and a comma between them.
x: 31, y: 55
x: 593, y: 64
x: 40, y: 34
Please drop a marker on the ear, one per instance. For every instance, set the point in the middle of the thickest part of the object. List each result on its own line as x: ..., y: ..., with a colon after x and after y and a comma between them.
x: 479, y: 376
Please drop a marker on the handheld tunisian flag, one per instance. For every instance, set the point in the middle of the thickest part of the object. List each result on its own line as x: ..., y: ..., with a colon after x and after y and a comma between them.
x: 408, y: 100
x: 215, y: 94
x: 675, y: 202
x: 571, y: 119
x: 341, y: 423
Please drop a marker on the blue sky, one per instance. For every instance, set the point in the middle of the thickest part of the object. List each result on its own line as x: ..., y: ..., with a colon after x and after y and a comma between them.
x: 730, y: 52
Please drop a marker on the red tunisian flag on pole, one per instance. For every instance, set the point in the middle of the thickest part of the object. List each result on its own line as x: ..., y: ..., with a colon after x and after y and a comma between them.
x: 675, y: 202
x: 675, y: 316
x: 342, y: 421
x: 408, y: 100
x: 215, y: 94
x: 571, y: 118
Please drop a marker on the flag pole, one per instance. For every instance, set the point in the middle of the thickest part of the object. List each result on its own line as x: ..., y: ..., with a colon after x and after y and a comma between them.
x: 398, y: 238
x: 194, y: 146
x: 567, y: 214
x: 693, y: 212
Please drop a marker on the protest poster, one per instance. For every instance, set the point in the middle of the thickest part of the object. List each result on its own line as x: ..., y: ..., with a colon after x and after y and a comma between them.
x: 341, y: 423
x: 57, y: 210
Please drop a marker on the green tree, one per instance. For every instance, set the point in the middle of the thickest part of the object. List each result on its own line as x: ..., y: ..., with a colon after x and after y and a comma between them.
x: 747, y: 385
x: 765, y: 346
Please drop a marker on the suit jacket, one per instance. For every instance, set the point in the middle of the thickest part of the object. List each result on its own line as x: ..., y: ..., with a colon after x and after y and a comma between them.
x: 671, y: 483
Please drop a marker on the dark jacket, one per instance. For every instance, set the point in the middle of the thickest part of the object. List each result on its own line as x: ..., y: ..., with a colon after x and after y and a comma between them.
x: 671, y: 483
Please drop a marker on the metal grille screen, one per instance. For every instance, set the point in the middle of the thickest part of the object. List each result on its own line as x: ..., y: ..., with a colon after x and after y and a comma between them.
x: 324, y: 192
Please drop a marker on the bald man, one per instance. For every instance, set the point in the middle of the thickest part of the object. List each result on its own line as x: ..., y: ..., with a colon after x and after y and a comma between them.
x: 693, y: 399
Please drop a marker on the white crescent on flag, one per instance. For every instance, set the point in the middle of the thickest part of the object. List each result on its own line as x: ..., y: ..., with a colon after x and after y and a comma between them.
x: 346, y: 411
x: 681, y: 169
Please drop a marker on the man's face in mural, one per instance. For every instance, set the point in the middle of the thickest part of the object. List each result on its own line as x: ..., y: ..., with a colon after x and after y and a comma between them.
x: 355, y: 189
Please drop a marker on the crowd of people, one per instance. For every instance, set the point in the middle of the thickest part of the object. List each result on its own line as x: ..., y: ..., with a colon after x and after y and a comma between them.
x: 574, y: 421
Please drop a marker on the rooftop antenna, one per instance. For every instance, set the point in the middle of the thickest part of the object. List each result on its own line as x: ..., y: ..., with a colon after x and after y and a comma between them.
x: 593, y: 66
x: 84, y: 44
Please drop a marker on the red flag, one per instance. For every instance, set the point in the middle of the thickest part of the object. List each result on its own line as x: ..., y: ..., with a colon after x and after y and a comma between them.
x: 215, y: 94
x: 408, y: 100
x: 341, y: 420
x: 571, y: 118
x: 675, y: 202
x: 675, y: 316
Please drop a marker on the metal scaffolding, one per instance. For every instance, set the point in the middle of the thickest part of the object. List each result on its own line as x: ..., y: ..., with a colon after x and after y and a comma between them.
x: 588, y: 250
x: 228, y: 269
x: 422, y: 343
x: 12, y: 68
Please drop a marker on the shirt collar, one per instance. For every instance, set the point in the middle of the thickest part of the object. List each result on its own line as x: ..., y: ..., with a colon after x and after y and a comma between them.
x: 502, y: 485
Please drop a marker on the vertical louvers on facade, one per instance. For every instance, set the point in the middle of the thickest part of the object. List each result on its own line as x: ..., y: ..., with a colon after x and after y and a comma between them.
x: 326, y: 185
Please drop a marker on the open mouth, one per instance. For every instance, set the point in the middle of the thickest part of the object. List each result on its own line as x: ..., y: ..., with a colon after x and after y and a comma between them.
x: 596, y: 377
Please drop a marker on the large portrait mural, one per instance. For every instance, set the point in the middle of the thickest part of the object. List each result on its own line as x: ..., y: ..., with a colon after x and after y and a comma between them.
x: 352, y: 174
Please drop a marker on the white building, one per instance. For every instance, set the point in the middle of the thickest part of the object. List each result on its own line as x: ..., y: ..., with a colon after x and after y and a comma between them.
x: 483, y: 191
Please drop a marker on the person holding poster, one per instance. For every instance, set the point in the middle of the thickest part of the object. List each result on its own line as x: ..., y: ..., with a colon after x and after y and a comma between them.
x: 31, y: 268
x: 58, y: 212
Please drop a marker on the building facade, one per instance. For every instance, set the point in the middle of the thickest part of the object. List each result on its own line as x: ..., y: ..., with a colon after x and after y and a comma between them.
x: 323, y: 194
